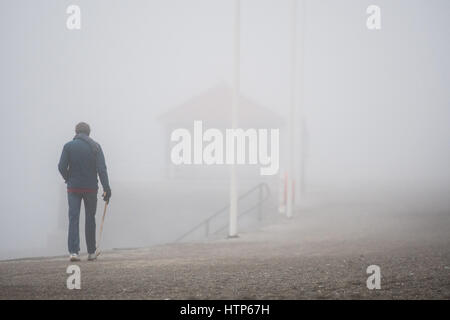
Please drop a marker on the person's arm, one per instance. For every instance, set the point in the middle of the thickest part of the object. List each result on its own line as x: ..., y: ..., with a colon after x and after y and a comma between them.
x: 63, y: 165
x: 103, y: 173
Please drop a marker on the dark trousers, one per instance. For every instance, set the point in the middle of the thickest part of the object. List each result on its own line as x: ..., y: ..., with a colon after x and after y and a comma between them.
x: 90, y: 207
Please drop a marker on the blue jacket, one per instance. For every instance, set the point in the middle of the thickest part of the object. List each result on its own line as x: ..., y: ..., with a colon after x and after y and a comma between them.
x: 81, y: 160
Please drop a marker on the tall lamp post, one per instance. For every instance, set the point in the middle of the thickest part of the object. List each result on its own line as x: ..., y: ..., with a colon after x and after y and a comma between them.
x: 296, y: 118
x: 232, y: 232
x: 292, y: 115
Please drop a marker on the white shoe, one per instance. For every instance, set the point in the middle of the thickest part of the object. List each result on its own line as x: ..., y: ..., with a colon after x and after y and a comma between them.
x: 92, y: 257
x: 74, y: 257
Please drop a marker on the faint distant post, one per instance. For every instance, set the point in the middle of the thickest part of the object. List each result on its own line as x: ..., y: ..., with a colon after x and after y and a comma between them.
x: 260, y: 199
x: 296, y: 120
x: 302, y: 129
x: 232, y: 232
x: 303, y: 157
x: 292, y: 114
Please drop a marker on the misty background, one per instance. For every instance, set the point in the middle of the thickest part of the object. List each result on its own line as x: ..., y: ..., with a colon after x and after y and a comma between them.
x: 376, y: 105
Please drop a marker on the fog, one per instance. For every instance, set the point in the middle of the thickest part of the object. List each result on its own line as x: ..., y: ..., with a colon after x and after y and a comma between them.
x: 373, y: 106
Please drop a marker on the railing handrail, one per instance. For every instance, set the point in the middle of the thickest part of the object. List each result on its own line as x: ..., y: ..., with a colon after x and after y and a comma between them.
x: 206, y: 221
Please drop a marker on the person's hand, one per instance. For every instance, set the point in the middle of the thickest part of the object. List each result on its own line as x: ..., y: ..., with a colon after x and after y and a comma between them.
x: 107, y: 195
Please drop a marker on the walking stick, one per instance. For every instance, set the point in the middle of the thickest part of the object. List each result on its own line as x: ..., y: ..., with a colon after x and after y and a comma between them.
x: 97, y: 251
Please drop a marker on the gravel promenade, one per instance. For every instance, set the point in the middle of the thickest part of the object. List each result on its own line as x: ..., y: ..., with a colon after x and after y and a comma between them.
x: 319, y: 254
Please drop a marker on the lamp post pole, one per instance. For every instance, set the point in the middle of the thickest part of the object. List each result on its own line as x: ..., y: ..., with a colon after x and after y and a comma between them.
x: 232, y: 232
x: 292, y: 115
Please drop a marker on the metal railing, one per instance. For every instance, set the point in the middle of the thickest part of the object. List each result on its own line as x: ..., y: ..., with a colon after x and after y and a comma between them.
x: 263, y: 194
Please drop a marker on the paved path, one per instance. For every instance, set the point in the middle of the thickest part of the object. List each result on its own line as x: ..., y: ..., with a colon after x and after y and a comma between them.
x: 320, y: 254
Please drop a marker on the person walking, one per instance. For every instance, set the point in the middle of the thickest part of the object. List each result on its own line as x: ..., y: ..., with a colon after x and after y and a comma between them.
x: 82, y: 159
